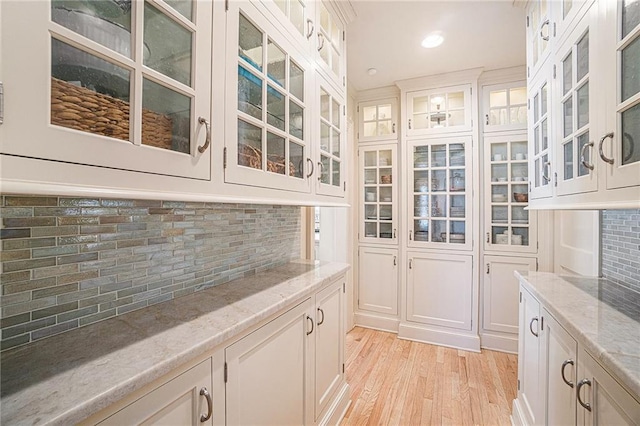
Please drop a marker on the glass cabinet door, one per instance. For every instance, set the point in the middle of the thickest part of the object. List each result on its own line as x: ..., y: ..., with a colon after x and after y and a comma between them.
x: 508, y: 225
x: 577, y: 171
x: 622, y: 148
x: 539, y: 32
x: 540, y: 164
x: 378, y: 194
x: 271, y: 124
x: 330, y: 172
x: 114, y: 84
x: 377, y: 120
x: 440, y: 196
x: 330, y: 36
x: 438, y: 111
x: 505, y: 107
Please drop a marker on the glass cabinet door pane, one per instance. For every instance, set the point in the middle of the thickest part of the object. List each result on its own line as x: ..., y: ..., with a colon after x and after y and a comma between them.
x: 583, y: 105
x: 296, y: 15
x: 166, y: 118
x: 567, y: 107
x: 568, y: 160
x: 370, y: 159
x: 275, y: 107
x: 296, y: 159
x: 88, y: 93
x: 275, y: 154
x: 325, y: 175
x: 324, y: 137
x: 249, y: 93
x: 567, y: 81
x: 631, y: 135
x: 296, y: 81
x: 583, y: 57
x: 335, y: 142
x: 169, y: 43
x: 184, y: 7
x: 630, y: 69
x: 630, y: 16
x: 105, y: 22
x: 369, y: 113
x: 276, y: 63
x: 296, y: 118
x: 335, y: 113
x: 543, y: 100
x: 249, y: 145
x: 335, y: 171
x: 250, y: 43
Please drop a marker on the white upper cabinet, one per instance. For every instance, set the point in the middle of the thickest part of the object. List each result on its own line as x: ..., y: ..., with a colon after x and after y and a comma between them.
x: 378, y: 195
x: 377, y: 120
x: 575, y: 109
x: 437, y: 111
x: 331, y: 132
x: 121, y: 85
x: 539, y: 31
x: 505, y: 107
x: 267, y: 141
x: 584, y: 153
x: 439, y: 201
x: 330, y: 38
x: 620, y: 140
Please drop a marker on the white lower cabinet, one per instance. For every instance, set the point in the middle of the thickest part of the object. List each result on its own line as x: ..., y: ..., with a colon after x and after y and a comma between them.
x: 265, y: 371
x: 559, y: 381
x: 560, y: 352
x: 378, y: 280
x: 439, y: 289
x: 601, y: 399
x: 183, y: 400
x: 530, y: 401
x: 500, y: 289
x: 291, y: 370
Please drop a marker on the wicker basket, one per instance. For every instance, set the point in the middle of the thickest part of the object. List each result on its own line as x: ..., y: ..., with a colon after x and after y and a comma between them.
x: 83, y: 109
x: 249, y: 156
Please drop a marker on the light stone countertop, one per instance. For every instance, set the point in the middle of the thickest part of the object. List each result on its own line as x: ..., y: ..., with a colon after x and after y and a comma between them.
x: 66, y: 378
x: 610, y: 336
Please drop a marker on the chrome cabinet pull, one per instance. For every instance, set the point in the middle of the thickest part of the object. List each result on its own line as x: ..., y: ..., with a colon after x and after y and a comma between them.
x: 487, y: 117
x: 546, y: 167
x: 310, y: 319
x: 394, y: 261
x: 207, y: 141
x: 321, y: 167
x: 204, y: 392
x: 488, y: 238
x: 310, y: 161
x: 322, y: 312
x: 488, y: 268
x: 545, y: 38
x: 394, y: 232
x: 310, y: 28
x: 583, y: 153
x: 410, y: 263
x: 531, y: 326
x: 581, y: 383
x: 409, y: 123
x: 410, y: 234
x: 564, y: 378
x: 393, y: 128
x: 601, y: 152
x: 321, y: 39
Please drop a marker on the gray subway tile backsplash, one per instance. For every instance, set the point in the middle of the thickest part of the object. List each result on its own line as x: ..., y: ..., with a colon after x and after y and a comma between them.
x: 621, y: 247
x: 69, y: 262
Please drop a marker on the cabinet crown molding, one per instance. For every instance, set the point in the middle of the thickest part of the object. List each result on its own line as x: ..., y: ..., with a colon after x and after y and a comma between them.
x: 440, y: 80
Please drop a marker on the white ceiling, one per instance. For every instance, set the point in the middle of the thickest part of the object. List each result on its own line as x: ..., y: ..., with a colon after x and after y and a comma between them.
x: 386, y: 35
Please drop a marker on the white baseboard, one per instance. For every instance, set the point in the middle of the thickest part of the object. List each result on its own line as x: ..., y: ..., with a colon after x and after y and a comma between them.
x: 338, y: 408
x: 453, y: 339
x: 499, y: 343
x: 376, y: 322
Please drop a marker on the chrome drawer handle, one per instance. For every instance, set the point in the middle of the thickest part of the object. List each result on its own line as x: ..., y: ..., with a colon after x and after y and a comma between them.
x: 322, y: 321
x: 207, y: 141
x: 604, y: 157
x: 581, y: 383
x: 312, y: 167
x: 204, y: 392
x: 531, y: 326
x: 583, y: 153
x: 564, y: 378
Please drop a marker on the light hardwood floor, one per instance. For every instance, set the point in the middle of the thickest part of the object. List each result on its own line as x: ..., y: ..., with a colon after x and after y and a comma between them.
x: 399, y: 382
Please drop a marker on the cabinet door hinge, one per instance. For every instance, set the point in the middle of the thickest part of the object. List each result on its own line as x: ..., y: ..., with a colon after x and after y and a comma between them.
x: 555, y: 178
x: 342, y: 368
x: 1, y: 102
x: 344, y: 81
x: 554, y: 29
x: 344, y: 185
x: 554, y: 71
x: 226, y: 5
x: 224, y: 158
x: 528, y: 103
x: 538, y: 245
x: 226, y: 372
x: 528, y: 72
x: 358, y: 108
x: 344, y: 287
x: 541, y: 323
x: 344, y: 110
x: 518, y: 384
x: 527, y: 21
x: 536, y: 264
x: 520, y: 297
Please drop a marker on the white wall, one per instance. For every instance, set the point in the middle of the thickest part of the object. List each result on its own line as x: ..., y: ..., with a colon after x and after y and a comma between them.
x: 577, y: 242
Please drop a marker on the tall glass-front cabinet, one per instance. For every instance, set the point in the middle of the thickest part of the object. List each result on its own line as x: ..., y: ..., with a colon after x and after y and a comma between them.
x: 378, y: 215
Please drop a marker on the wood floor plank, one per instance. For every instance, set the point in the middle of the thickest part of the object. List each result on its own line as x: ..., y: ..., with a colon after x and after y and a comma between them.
x: 399, y: 382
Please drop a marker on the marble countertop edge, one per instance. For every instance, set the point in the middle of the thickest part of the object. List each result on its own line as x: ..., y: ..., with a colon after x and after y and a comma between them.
x: 207, y: 334
x: 611, y: 359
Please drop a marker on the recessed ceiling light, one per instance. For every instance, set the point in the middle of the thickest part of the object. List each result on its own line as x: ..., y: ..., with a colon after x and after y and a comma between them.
x: 372, y: 71
x: 432, y: 40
